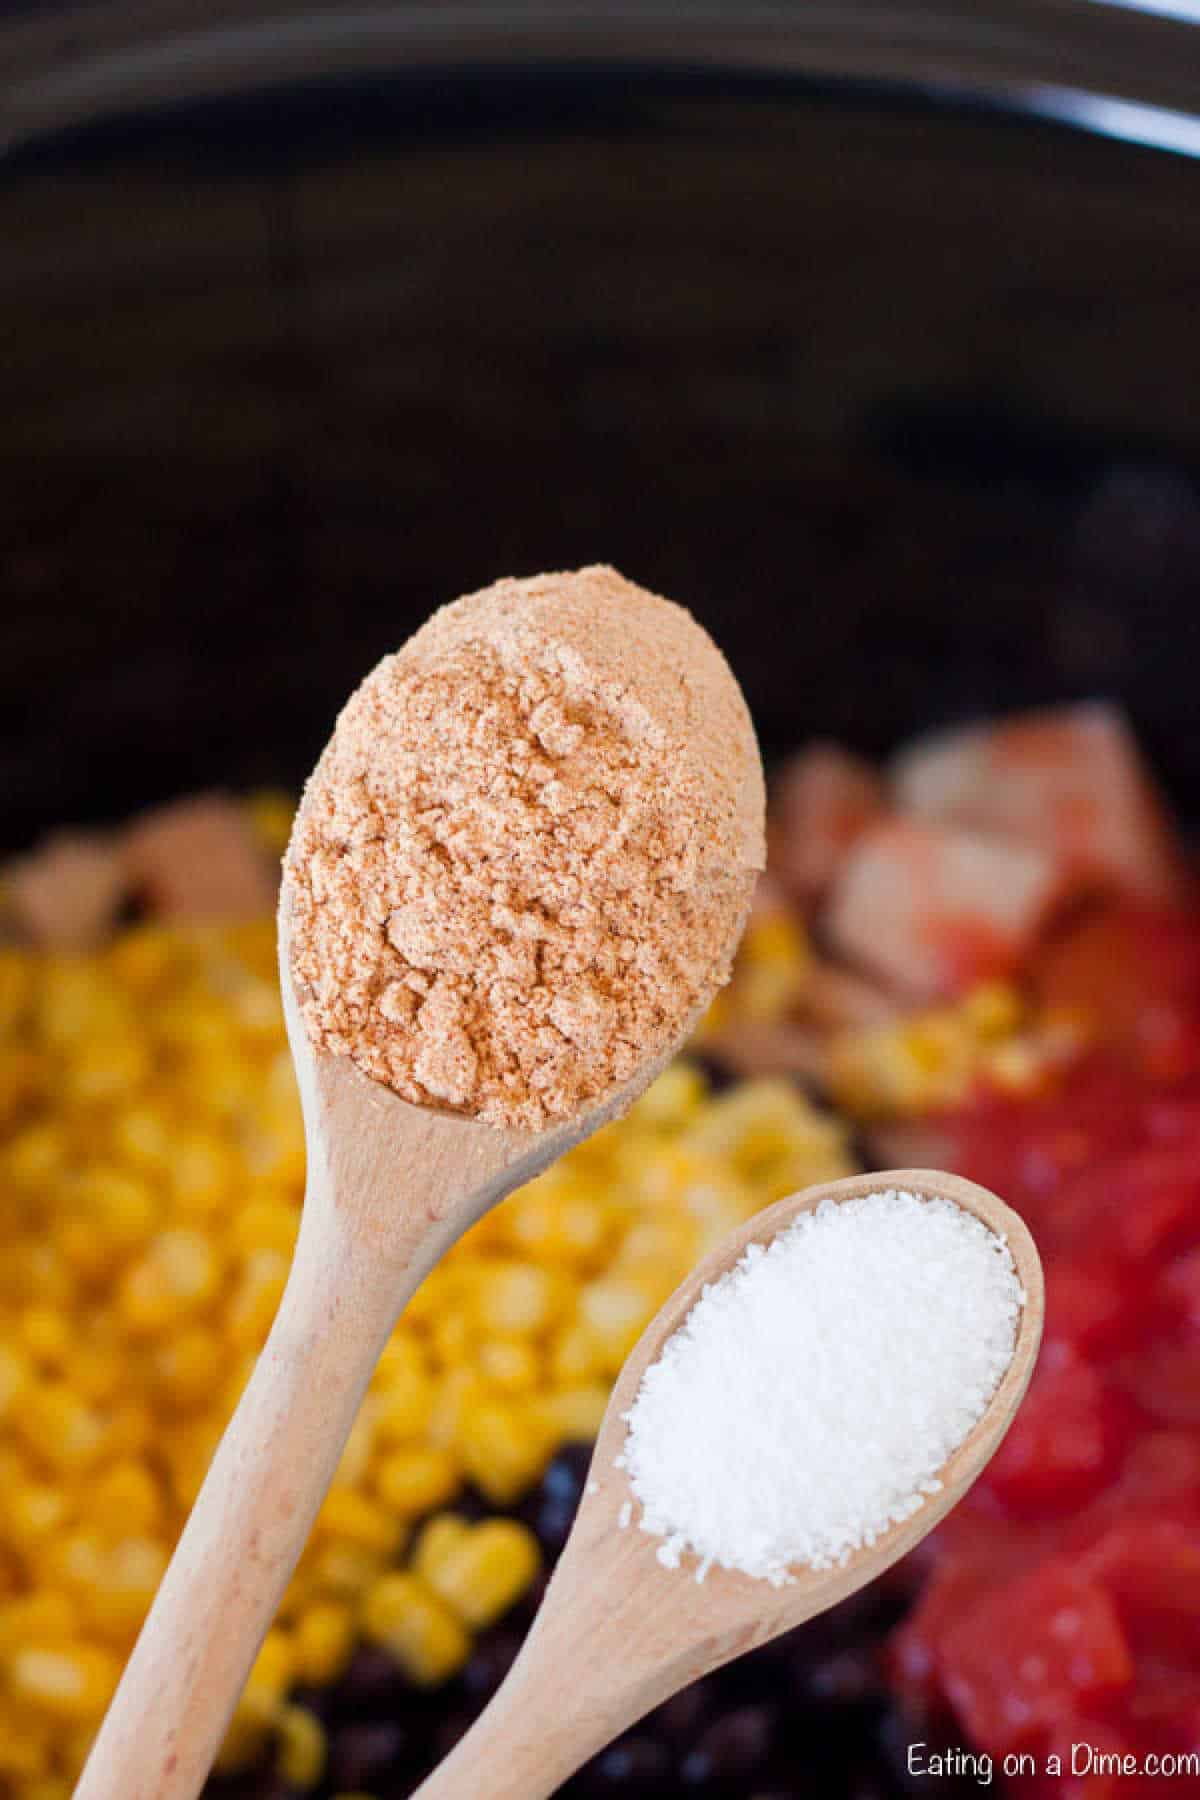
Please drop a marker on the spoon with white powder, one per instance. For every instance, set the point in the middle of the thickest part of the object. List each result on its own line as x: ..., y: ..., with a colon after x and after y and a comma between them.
x: 517, y: 877
x: 806, y: 1407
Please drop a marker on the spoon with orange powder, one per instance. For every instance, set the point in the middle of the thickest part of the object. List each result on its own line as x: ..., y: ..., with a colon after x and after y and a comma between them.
x: 517, y: 877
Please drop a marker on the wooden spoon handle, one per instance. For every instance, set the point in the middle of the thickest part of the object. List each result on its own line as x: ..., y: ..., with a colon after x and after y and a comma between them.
x: 536, y: 1732
x: 250, y: 1521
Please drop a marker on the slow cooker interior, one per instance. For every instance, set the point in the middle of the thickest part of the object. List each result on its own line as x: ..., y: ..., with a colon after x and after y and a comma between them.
x: 898, y: 396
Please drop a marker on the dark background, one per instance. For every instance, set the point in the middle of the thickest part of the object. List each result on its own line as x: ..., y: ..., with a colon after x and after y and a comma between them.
x: 896, y: 392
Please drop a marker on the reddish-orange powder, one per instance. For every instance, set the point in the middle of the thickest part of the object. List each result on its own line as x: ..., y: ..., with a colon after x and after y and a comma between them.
x: 524, y: 860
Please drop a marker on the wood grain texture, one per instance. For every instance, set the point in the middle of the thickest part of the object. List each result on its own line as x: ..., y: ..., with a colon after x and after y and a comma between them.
x: 618, y: 1633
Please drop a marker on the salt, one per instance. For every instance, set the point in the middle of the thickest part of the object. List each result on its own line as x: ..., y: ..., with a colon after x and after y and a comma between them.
x: 813, y: 1394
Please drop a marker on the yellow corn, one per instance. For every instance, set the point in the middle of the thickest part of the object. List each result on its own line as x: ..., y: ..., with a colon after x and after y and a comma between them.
x: 405, y: 1617
x: 69, y: 1684
x: 152, y: 1152
x: 125, y: 1500
x: 322, y: 1640
x: 413, y: 1481
x: 481, y: 1572
x: 300, y: 1757
x: 437, y: 1538
x: 503, y: 1449
x: 354, y: 1519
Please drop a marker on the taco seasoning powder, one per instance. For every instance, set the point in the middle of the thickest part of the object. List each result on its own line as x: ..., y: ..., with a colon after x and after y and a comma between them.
x: 523, y: 862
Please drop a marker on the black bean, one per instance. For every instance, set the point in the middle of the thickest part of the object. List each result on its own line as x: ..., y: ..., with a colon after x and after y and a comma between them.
x: 636, y: 1764
x: 847, y: 1678
x: 681, y: 1718
x: 732, y: 1747
x: 372, y: 1680
x: 565, y: 1476
x: 491, y: 1659
x: 360, y: 1755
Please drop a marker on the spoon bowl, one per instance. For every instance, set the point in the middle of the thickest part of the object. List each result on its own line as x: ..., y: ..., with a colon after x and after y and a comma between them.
x: 617, y: 1632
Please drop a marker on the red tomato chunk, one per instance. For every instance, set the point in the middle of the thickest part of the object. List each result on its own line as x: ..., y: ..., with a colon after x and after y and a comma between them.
x: 1064, y: 1602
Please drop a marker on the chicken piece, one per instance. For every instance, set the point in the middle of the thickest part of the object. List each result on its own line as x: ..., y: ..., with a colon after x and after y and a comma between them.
x: 66, y: 894
x: 933, y: 910
x: 821, y: 800
x: 199, y: 860
x: 1069, y: 780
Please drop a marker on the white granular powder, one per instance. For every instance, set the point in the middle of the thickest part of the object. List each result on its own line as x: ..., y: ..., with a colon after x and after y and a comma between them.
x: 813, y: 1394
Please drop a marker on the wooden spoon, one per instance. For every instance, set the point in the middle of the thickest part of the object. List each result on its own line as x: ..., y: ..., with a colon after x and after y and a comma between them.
x: 390, y: 1187
x: 617, y: 1633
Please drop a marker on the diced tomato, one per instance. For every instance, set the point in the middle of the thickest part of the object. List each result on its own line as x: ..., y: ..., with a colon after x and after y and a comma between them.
x: 1150, y: 1567
x: 1066, y: 1443
x: 1134, y: 975
x: 1164, y: 1380
x: 1179, y: 1288
x: 1030, y: 1652
x: 1153, y: 1198
x: 1092, y: 1307
x: 960, y: 1582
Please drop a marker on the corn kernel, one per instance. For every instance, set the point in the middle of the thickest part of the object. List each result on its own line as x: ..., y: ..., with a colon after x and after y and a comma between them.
x: 485, y: 1571
x: 25, y: 1749
x: 323, y: 1639
x: 573, y: 1414
x: 616, y: 1310
x: 15, y: 1376
x: 450, y: 1338
x: 509, y: 1364
x: 105, y: 1070
x: 187, y: 1365
x: 58, y: 1426
x: 553, y: 1222
x: 672, y: 1101
x: 403, y: 1616
x: 121, y: 1204
x: 517, y: 1297
x: 437, y: 1538
x: 46, y: 1617
x: 352, y: 1518
x: 403, y: 1359
x: 47, y: 1335
x: 404, y: 1409
x: 343, y: 1569
x: 302, y: 1750
x: 69, y: 1684
x: 993, y: 1009
x: 202, y: 1176
x: 31, y: 1512
x: 125, y: 1500
x: 143, y: 1137
x: 457, y: 1389
x: 576, y: 1353
x: 265, y: 1225
x: 47, y: 1787
x: 118, y: 1595
x: 413, y: 1480
x: 502, y: 1450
